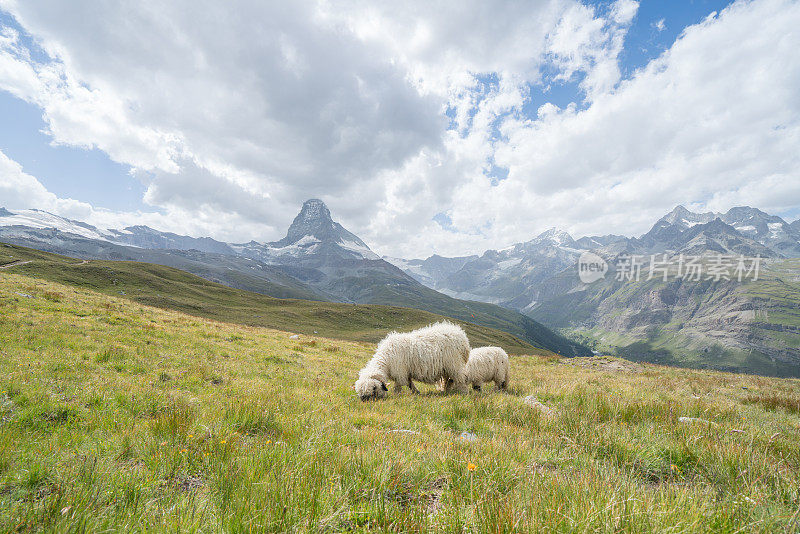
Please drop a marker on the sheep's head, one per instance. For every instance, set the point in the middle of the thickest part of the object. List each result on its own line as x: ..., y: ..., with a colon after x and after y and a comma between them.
x: 370, y: 388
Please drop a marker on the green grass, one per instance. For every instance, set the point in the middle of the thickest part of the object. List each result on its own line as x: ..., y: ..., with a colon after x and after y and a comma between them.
x: 370, y: 287
x: 122, y: 417
x: 173, y: 289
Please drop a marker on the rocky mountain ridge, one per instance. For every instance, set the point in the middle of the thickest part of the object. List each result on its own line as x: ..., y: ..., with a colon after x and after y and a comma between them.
x: 318, y: 259
x: 512, y: 276
x: 716, y: 323
x: 749, y: 326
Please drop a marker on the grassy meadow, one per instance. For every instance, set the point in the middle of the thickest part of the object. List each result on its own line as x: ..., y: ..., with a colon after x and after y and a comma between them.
x: 116, y: 416
x: 174, y: 289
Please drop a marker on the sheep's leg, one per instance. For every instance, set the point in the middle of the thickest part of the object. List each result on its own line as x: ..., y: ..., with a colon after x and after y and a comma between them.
x: 412, y: 387
x: 460, y: 384
x: 448, y: 385
x: 398, y: 388
x: 502, y: 381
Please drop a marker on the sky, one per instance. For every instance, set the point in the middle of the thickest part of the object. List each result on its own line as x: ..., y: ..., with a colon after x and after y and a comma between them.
x: 427, y: 127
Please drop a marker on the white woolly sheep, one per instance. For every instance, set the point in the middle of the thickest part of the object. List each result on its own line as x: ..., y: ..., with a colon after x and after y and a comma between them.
x: 487, y: 364
x: 438, y: 351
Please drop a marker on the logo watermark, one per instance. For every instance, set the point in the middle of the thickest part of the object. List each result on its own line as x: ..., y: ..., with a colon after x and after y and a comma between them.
x: 592, y: 267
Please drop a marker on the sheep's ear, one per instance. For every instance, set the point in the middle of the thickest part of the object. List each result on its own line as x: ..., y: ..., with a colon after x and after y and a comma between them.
x: 384, y: 387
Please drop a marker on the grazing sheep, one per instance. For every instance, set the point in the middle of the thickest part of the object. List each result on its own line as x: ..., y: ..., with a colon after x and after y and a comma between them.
x: 438, y: 351
x: 487, y: 364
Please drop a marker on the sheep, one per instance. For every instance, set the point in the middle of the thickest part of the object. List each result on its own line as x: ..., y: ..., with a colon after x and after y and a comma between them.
x: 487, y: 364
x: 438, y: 351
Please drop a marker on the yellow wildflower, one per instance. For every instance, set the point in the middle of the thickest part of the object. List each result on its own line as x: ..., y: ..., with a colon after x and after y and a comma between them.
x: 471, y: 466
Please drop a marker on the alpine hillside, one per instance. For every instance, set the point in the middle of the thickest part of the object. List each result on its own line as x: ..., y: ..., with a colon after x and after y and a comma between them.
x: 318, y: 259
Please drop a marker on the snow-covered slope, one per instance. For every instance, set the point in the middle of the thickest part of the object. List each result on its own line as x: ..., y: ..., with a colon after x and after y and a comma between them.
x: 133, y: 236
x: 769, y: 230
x: 41, y: 219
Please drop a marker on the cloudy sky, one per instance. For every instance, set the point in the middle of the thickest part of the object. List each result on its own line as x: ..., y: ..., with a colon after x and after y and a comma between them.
x: 426, y: 127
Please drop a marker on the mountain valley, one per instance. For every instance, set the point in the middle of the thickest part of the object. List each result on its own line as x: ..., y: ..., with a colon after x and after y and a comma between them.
x: 317, y: 260
x: 749, y: 326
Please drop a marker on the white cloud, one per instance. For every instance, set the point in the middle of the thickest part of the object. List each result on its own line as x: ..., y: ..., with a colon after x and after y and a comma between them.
x: 584, y: 42
x: 232, y: 117
x: 712, y: 121
x: 19, y: 190
x: 259, y: 97
x: 251, y: 110
x: 79, y: 115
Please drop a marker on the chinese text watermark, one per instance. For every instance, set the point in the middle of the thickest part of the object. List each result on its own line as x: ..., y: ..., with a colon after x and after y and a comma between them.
x: 592, y: 267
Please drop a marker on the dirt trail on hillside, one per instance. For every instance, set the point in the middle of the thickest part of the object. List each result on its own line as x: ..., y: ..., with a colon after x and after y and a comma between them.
x: 14, y: 264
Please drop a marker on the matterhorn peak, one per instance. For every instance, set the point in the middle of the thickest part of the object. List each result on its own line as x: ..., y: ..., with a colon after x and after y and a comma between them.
x: 314, y: 220
x: 314, y: 231
x: 314, y: 210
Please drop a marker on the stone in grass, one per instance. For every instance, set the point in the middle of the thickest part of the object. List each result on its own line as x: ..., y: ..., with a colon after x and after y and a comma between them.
x: 534, y: 403
x: 294, y: 336
x: 468, y: 436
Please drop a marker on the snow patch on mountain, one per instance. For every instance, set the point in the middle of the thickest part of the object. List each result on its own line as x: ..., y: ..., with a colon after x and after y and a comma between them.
x: 305, y: 245
x: 688, y: 224
x: 43, y: 220
x: 359, y: 248
x: 507, y: 264
x: 554, y: 236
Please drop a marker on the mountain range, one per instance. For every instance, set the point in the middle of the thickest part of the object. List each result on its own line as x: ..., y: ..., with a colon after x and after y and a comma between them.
x: 513, y: 276
x: 749, y: 326
x: 530, y: 289
x: 317, y: 260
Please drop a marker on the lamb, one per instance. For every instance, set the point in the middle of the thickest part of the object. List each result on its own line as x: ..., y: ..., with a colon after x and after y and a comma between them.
x: 487, y: 364
x: 438, y: 351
